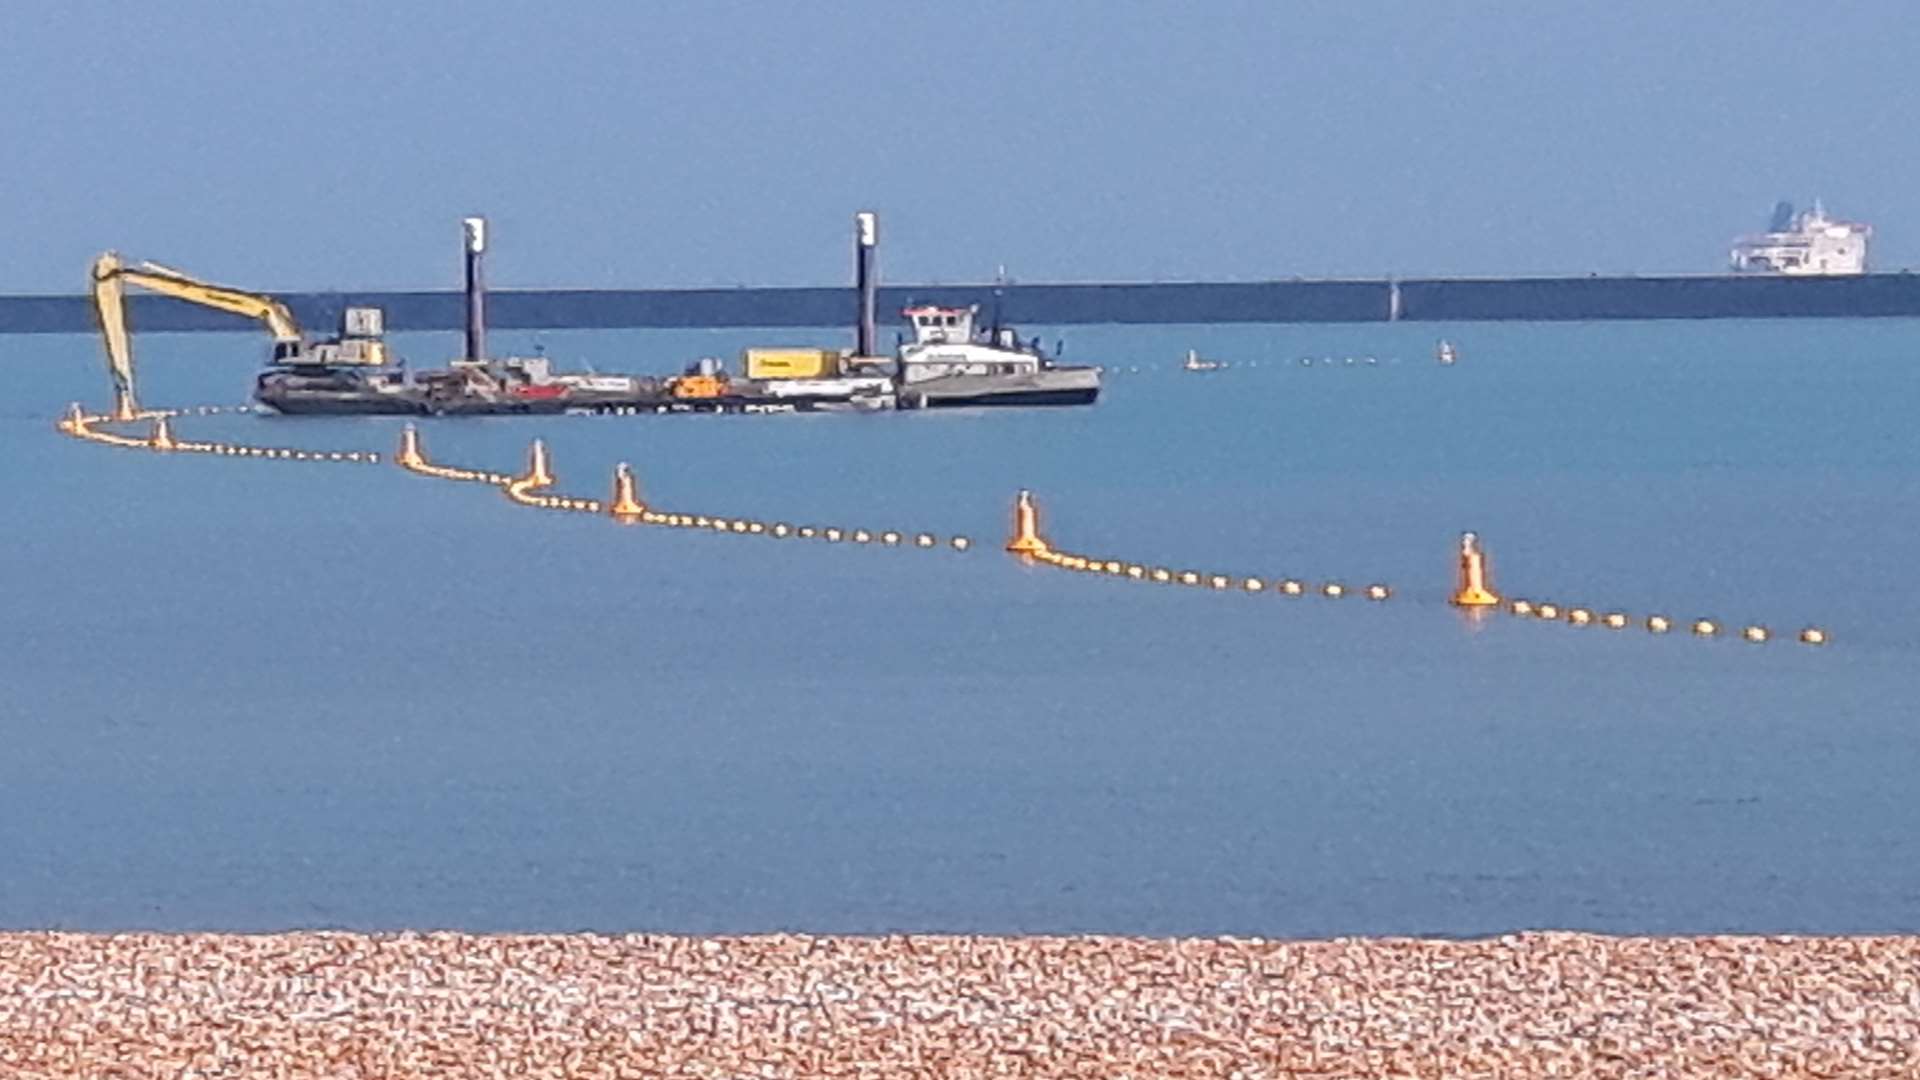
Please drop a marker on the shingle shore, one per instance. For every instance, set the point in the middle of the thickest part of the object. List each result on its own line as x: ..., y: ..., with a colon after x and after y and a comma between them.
x: 339, y: 1005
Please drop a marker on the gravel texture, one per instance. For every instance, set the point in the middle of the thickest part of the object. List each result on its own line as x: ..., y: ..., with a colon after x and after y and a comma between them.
x: 339, y: 1005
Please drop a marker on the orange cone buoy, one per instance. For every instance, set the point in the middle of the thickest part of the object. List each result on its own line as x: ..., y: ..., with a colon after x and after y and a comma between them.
x: 626, y: 500
x: 539, y: 474
x: 1026, y: 527
x: 410, y: 456
x: 76, y: 421
x: 1474, y: 590
x: 162, y: 437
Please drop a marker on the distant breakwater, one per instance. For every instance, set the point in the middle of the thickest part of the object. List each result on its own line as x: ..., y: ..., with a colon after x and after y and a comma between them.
x: 1291, y: 301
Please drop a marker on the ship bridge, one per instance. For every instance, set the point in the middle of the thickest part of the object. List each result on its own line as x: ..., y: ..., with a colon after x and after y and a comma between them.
x: 941, y: 325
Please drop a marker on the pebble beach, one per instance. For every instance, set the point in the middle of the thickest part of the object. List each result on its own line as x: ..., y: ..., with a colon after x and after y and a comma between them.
x: 343, y: 1005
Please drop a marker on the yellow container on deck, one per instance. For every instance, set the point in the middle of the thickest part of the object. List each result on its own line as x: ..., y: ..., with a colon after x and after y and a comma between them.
x: 791, y: 363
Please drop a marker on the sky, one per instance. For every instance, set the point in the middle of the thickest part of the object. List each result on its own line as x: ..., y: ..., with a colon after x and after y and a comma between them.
x: 295, y: 146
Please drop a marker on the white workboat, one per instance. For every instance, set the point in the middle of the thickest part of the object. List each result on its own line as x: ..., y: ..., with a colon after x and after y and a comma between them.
x: 948, y: 364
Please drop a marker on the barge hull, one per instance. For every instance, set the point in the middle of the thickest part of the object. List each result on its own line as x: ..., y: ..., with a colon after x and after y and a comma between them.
x: 1014, y: 397
x: 341, y: 407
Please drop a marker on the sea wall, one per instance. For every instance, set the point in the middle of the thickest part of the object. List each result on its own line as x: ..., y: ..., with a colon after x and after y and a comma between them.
x: 1295, y: 301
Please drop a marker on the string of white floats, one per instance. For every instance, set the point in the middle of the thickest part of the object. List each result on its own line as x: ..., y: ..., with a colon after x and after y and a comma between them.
x: 160, y: 438
x: 1194, y: 365
x: 1473, y: 590
x: 533, y: 488
x: 1548, y: 611
x: 1028, y: 544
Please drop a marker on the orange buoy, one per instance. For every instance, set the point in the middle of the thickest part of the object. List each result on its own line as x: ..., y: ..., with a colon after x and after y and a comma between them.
x: 1474, y: 590
x: 539, y: 470
x: 626, y: 500
x: 162, y: 437
x: 410, y: 456
x: 1026, y: 527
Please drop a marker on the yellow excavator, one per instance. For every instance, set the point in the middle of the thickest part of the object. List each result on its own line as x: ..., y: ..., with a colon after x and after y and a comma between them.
x: 290, y: 348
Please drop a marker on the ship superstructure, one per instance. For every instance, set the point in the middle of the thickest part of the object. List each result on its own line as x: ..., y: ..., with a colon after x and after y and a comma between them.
x: 1806, y: 243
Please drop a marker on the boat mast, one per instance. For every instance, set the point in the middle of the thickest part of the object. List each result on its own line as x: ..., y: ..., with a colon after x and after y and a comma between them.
x: 999, y: 290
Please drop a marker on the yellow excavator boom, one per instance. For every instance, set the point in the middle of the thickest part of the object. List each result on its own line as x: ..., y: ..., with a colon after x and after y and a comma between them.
x: 160, y: 279
x: 109, y: 303
x: 110, y: 278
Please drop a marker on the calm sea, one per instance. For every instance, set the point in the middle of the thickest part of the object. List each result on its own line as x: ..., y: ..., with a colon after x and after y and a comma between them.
x: 252, y: 695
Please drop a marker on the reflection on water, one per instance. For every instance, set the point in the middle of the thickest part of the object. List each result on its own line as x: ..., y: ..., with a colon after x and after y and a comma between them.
x: 247, y: 695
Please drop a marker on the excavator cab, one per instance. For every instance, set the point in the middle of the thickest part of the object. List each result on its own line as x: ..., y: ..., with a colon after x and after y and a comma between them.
x: 358, y: 345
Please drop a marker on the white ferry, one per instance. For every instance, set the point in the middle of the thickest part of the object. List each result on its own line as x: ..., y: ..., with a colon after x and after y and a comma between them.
x: 1807, y: 243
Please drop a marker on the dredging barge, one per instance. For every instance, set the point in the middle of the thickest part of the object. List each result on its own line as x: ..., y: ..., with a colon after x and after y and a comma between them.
x: 529, y: 387
x: 947, y: 364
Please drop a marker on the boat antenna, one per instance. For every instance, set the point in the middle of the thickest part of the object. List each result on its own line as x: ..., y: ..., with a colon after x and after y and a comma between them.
x: 999, y: 290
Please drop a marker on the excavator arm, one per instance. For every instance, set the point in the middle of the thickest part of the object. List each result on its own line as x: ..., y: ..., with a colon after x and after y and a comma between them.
x: 110, y: 278
x: 109, y: 303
